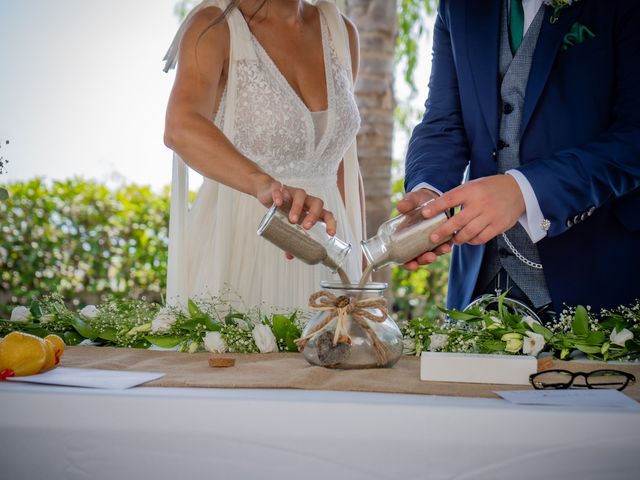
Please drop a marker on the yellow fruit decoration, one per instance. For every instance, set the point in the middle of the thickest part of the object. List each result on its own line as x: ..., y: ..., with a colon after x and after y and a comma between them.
x: 23, y: 354
x: 58, y: 346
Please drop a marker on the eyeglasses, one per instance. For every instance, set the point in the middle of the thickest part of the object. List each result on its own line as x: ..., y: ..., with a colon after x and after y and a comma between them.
x: 598, y: 379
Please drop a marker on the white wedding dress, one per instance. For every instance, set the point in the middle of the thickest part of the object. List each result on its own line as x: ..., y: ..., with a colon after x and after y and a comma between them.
x: 214, y: 249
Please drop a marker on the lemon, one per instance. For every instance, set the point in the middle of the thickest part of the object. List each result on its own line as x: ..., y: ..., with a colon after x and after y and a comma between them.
x: 58, y: 346
x: 22, y: 353
x: 50, y: 360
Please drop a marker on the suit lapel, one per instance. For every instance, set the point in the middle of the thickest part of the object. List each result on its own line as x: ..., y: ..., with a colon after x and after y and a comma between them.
x: 549, y: 42
x: 483, y: 40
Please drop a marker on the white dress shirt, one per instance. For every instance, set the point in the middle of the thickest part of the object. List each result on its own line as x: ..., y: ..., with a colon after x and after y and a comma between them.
x: 532, y: 220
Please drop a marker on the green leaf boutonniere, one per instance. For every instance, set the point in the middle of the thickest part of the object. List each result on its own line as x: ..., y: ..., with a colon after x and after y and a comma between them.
x: 558, y: 6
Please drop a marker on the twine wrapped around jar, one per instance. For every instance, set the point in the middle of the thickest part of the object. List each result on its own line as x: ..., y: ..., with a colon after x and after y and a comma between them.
x: 340, y: 308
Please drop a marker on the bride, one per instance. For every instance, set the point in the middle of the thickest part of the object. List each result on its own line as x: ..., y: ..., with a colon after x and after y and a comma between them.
x: 263, y: 108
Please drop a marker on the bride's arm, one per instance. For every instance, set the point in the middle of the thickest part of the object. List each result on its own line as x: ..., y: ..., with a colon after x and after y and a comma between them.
x: 190, y: 132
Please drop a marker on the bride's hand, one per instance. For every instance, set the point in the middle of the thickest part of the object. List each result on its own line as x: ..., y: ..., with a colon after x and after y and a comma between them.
x: 302, y: 204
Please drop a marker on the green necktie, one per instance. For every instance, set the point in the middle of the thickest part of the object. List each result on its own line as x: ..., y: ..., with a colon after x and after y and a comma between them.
x: 516, y: 24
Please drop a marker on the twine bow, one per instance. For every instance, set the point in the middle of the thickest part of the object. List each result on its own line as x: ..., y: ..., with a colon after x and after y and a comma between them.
x: 340, y: 308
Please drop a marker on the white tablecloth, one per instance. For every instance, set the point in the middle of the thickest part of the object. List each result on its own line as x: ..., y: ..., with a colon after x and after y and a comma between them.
x: 55, y: 433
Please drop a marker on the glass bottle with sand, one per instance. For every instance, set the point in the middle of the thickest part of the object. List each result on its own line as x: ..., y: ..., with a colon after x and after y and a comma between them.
x: 352, y: 328
x: 401, y: 239
x: 312, y: 246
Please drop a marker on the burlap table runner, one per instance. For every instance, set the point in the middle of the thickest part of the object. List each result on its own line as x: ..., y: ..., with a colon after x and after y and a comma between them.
x: 290, y: 370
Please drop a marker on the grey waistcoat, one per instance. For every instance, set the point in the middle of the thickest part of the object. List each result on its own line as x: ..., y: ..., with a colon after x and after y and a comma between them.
x: 514, y: 71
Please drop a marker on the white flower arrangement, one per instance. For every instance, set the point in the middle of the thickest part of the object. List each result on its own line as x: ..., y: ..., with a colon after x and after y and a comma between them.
x: 213, y: 325
x: 606, y: 335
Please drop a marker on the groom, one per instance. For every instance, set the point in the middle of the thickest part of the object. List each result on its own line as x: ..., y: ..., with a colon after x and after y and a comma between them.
x: 532, y: 125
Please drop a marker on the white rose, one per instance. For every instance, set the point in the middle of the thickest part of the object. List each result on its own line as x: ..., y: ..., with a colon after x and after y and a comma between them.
x: 530, y: 321
x: 621, y: 337
x: 408, y: 346
x: 533, y: 343
x: 264, y: 338
x: 21, y: 314
x: 90, y: 312
x: 163, y: 321
x: 438, y: 341
x: 214, y: 343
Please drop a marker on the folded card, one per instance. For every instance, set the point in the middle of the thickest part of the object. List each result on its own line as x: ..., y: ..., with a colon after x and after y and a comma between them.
x: 477, y: 368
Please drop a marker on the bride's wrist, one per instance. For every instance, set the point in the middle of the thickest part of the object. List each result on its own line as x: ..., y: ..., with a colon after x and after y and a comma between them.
x: 260, y: 185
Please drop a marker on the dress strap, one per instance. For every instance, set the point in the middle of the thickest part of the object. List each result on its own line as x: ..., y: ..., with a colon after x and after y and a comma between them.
x: 338, y: 32
x: 241, y: 48
x: 352, y: 175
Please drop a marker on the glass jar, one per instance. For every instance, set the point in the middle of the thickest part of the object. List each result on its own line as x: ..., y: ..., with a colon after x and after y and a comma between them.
x: 312, y: 246
x: 367, y: 338
x: 403, y: 238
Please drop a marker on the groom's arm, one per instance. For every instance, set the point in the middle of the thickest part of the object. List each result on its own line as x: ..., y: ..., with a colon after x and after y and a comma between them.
x: 571, y: 182
x: 578, y: 180
x: 438, y: 151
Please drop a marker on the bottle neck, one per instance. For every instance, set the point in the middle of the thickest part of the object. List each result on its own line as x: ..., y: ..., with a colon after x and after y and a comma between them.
x: 376, y: 251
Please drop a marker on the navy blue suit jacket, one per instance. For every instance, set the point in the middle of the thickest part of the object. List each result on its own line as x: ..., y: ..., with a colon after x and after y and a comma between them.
x: 580, y: 146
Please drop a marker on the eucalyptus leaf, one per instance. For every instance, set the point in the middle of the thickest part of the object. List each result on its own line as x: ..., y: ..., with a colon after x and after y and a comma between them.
x: 461, y: 316
x: 501, y: 308
x: 588, y: 348
x: 4, y: 195
x: 194, y: 310
x: 164, y: 341
x: 544, y: 331
x: 35, y: 310
x: 108, y: 334
x: 285, y: 328
x: 580, y: 323
x: 141, y: 344
x: 83, y: 328
x: 596, y: 338
x: 493, y: 346
x: 72, y: 338
x: 211, y: 325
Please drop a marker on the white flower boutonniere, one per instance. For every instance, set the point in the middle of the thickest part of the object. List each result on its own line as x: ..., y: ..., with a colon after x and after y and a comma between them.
x: 558, y: 6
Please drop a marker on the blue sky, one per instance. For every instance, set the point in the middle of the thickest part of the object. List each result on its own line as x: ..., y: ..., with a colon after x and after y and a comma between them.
x: 82, y: 90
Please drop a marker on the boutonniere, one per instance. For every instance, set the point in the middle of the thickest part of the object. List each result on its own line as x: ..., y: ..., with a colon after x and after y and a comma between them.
x: 558, y: 6
x: 578, y: 34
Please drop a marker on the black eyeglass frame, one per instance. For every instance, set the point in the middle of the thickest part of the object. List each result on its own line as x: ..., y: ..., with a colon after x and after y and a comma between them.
x: 630, y: 379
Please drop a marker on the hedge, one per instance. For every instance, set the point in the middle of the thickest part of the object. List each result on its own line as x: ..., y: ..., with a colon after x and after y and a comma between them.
x: 85, y: 241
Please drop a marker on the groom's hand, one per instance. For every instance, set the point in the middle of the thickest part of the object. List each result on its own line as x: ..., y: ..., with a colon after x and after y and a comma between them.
x: 409, y: 202
x: 491, y: 206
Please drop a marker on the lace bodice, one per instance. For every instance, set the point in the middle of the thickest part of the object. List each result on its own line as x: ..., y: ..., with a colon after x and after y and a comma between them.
x: 275, y: 129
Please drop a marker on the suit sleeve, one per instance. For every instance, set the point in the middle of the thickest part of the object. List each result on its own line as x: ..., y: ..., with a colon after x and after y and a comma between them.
x: 438, y: 150
x: 581, y: 179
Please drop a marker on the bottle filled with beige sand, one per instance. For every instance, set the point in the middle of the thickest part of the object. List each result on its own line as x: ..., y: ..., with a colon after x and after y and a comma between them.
x: 402, y: 239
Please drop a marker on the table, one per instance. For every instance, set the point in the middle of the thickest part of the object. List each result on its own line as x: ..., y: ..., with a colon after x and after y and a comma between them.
x: 174, y: 433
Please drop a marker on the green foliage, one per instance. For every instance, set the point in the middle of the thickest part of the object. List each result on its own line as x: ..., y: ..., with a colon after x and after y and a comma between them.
x: 607, y: 335
x: 82, y: 240
x: 418, y: 293
x: 411, y: 29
